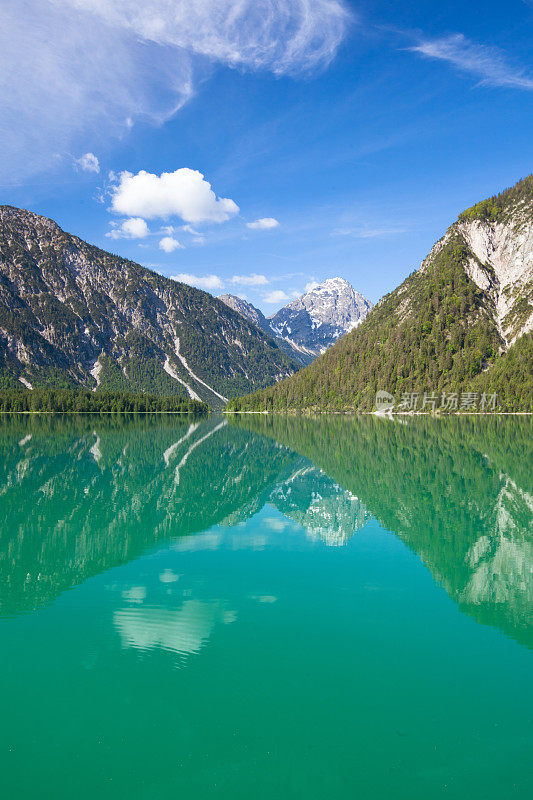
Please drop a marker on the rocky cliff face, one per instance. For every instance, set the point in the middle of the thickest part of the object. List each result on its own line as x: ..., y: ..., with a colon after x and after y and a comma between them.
x: 71, y: 314
x: 500, y: 259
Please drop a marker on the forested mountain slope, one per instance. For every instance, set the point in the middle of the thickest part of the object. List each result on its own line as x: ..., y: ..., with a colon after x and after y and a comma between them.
x: 460, y: 322
x: 72, y: 314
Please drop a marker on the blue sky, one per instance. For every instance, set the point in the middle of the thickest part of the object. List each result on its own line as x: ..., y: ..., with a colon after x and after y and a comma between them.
x: 354, y: 132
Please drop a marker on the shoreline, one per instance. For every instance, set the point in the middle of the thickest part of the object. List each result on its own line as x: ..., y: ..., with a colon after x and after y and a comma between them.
x: 390, y: 416
x: 77, y: 413
x: 289, y: 413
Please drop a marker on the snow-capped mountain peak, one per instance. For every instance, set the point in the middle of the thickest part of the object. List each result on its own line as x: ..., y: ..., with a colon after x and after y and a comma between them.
x: 322, y: 315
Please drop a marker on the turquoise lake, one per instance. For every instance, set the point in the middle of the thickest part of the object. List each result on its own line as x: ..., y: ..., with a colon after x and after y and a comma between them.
x: 256, y: 608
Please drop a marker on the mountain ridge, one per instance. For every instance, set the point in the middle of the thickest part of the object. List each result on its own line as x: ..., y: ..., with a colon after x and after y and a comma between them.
x: 72, y: 314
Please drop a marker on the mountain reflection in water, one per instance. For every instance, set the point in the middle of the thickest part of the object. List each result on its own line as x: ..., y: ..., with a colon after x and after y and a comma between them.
x: 79, y: 496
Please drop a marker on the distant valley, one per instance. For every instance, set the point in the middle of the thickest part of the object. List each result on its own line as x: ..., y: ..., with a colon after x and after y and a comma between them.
x: 313, y: 322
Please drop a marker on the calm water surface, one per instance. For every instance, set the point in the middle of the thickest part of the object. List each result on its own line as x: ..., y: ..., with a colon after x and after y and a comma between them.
x: 264, y: 608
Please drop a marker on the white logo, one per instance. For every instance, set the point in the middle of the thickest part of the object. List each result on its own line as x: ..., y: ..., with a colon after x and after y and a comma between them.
x: 384, y: 401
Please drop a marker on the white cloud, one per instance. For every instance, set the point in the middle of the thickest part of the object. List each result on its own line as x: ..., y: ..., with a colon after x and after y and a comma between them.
x: 184, y: 193
x: 208, y: 282
x: 88, y: 162
x: 369, y: 233
x: 250, y: 280
x: 311, y: 285
x: 276, y: 296
x: 264, y: 224
x: 134, y: 228
x: 488, y: 63
x: 169, y: 244
x: 284, y: 36
x: 75, y: 71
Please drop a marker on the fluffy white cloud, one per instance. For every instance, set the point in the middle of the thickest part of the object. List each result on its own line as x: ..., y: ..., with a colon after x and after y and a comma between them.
x: 208, y: 282
x: 264, y: 224
x: 134, y: 228
x: 88, y: 162
x: 169, y: 244
x: 311, y: 285
x: 487, y: 63
x: 184, y: 193
x: 75, y: 71
x: 250, y: 280
x: 276, y: 296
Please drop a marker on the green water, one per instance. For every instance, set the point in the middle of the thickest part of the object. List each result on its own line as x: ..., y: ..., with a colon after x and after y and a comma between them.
x: 262, y: 608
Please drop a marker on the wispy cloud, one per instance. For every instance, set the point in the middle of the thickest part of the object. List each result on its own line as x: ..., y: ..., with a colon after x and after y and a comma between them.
x: 489, y: 64
x: 75, y: 72
x: 369, y: 233
x: 276, y: 296
x: 209, y: 283
x: 285, y: 36
x: 250, y: 280
x: 88, y: 163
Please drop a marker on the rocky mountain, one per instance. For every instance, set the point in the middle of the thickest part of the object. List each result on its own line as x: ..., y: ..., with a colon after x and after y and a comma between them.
x: 461, y: 322
x: 256, y: 316
x: 247, y: 310
x: 313, y: 322
x: 322, y: 315
x: 72, y: 314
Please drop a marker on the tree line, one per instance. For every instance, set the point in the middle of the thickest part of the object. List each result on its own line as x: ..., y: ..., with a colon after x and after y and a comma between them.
x: 79, y: 401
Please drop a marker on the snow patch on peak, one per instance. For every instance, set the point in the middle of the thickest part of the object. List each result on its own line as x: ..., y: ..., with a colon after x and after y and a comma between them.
x: 318, y: 318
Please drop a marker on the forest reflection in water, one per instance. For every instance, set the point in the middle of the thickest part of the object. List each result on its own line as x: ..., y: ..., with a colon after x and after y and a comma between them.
x: 80, y: 495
